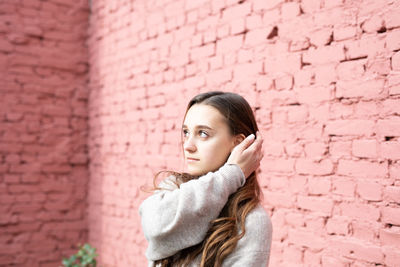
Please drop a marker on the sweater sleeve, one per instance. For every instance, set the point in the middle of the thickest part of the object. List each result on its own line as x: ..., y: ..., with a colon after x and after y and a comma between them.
x: 177, y: 219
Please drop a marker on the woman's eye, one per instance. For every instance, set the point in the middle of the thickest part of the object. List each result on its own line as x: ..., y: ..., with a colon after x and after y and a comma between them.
x: 203, y: 133
x: 185, y: 133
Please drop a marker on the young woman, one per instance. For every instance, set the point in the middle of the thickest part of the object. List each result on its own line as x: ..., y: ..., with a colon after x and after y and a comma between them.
x: 210, y: 216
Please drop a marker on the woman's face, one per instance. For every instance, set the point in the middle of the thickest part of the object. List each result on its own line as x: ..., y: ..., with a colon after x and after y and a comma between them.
x: 207, y: 141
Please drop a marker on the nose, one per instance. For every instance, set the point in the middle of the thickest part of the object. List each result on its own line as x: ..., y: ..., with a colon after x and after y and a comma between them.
x: 189, y: 144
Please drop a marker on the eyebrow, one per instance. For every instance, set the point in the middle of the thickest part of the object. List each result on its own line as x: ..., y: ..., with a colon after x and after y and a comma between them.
x: 199, y: 127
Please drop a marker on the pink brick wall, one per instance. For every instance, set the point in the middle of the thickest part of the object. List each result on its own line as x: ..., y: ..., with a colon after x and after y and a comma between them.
x: 43, y: 130
x: 324, y: 78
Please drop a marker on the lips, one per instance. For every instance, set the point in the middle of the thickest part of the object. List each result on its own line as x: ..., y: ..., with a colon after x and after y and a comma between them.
x: 192, y: 159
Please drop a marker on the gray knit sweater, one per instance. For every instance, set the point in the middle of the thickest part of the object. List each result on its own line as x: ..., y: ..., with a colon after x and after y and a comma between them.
x: 177, y: 218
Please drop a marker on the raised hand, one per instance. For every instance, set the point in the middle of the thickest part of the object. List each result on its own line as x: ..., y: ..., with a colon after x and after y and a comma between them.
x: 248, y: 154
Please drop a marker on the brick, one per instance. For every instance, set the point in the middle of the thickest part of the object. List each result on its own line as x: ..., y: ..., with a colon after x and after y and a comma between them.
x: 393, y: 82
x: 359, y: 211
x: 330, y: 16
x: 393, y: 40
x: 341, y: 33
x: 304, y: 77
x: 283, y: 82
x: 223, y: 31
x: 290, y: 10
x: 323, y: 55
x: 237, y: 11
x: 369, y: 190
x: 388, y: 127
x: 390, y: 237
x: 372, y: 24
x: 391, y: 215
x: 321, y: 37
x: 365, y: 47
x: 319, y: 186
x: 391, y: 107
x: 299, y: 44
x: 315, y: 150
x: 350, y: 127
x: 265, y: 5
x: 392, y: 257
x: 365, y: 231
x: 5, y: 46
x: 237, y: 26
x: 209, y: 36
x: 325, y: 74
x: 278, y: 199
x: 351, y: 70
x: 218, y: 77
x: 193, y: 4
x: 394, y: 171
x: 310, y: 6
x: 364, y: 148
x: 289, y: 63
x: 366, y: 89
x: 256, y: 36
x: 338, y: 225
x: 292, y: 254
x: 277, y: 165
x: 307, y: 239
x: 362, y: 169
x: 245, y: 56
x: 356, y: 250
x: 366, y: 109
x: 392, y: 193
x: 253, y: 21
x: 230, y: 59
x: 308, y: 166
x: 343, y: 186
x: 311, y: 257
x: 206, y: 23
x: 202, y: 51
x: 319, y: 205
x: 333, y: 261
x: 390, y: 150
x: 194, y: 82
x: 297, y: 114
x: 391, y: 17
x: 12, y: 178
x: 313, y: 94
x: 396, y: 61
x: 379, y: 66
x: 247, y: 71
x: 229, y: 44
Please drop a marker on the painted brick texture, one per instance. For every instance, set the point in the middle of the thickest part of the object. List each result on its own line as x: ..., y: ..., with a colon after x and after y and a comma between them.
x: 324, y: 80
x: 43, y: 131
x: 322, y: 76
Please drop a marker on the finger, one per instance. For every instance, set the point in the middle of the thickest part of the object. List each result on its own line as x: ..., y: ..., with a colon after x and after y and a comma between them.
x: 249, y: 140
x: 256, y: 145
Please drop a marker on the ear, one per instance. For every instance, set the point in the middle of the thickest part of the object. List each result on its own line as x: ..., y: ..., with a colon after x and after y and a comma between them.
x: 238, y: 139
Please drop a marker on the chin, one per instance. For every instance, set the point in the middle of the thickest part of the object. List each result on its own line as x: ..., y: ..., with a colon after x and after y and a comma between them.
x: 195, y: 172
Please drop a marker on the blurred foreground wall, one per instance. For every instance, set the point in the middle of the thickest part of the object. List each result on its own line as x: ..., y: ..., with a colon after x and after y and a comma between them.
x: 43, y: 130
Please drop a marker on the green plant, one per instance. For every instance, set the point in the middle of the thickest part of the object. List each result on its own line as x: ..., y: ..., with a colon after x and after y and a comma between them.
x: 85, y: 257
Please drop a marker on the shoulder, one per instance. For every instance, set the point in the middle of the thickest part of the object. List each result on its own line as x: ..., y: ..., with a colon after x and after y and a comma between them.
x: 169, y: 183
x: 259, y: 219
x: 258, y: 234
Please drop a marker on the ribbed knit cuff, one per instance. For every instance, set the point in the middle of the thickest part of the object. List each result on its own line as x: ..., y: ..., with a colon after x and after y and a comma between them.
x: 234, y: 172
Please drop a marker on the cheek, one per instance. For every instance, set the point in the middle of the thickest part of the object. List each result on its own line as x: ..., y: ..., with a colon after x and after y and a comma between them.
x: 216, y: 152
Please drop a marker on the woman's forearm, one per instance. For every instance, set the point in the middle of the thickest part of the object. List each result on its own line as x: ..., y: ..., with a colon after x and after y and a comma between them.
x: 177, y: 219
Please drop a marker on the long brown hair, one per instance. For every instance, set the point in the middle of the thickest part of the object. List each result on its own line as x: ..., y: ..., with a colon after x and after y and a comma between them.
x: 229, y: 227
